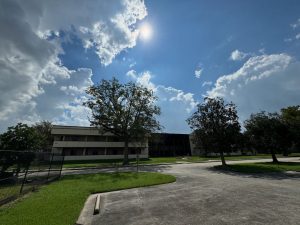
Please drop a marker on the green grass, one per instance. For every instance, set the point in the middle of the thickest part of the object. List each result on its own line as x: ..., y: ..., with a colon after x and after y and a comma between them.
x: 262, y: 167
x: 9, y: 190
x: 158, y: 160
x: 60, y: 203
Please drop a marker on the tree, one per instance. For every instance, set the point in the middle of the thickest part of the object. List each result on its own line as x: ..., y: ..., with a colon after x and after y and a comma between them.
x: 20, y: 138
x: 215, y: 126
x: 126, y: 110
x: 267, y: 132
x: 291, y: 117
x: 44, y: 130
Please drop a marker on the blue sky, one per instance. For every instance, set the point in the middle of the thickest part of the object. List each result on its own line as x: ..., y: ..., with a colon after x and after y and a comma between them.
x: 240, y: 50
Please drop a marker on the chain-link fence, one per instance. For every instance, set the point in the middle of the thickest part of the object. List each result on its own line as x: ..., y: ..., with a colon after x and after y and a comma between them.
x: 24, y: 171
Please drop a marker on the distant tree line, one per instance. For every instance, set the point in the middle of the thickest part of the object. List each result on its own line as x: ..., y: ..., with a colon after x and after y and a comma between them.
x: 216, y: 128
x: 23, y: 137
x: 20, y: 141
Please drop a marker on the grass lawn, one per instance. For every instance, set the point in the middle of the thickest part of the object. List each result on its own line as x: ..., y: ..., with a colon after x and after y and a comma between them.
x: 60, y: 202
x: 9, y: 190
x: 158, y: 160
x: 263, y: 167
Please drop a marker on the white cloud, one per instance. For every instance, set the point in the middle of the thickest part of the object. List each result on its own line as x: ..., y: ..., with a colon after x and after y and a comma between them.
x: 207, y: 83
x: 176, y: 105
x: 288, y: 39
x: 237, y: 55
x: 143, y: 78
x: 132, y: 74
x: 183, y: 97
x: 33, y: 83
x: 132, y: 64
x: 296, y: 24
x: 266, y: 82
x: 108, y: 26
x: 198, y: 72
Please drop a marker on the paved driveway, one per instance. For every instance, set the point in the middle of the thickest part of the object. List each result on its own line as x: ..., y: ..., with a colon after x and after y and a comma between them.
x: 203, y: 196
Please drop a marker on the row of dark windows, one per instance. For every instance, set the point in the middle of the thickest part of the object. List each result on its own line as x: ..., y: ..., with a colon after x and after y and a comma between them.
x: 90, y: 138
x: 99, y: 151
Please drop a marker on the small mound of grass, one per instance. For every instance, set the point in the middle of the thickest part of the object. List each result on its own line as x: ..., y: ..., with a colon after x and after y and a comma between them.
x: 267, y: 167
x: 61, y: 202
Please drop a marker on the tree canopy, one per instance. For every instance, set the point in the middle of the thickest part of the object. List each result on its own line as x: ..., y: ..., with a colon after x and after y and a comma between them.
x: 267, y: 132
x: 126, y: 110
x: 291, y: 117
x: 215, y: 126
x: 44, y: 130
x: 20, y: 138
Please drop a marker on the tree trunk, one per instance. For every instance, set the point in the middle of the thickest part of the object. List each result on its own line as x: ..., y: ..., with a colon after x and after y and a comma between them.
x: 274, y: 157
x: 222, y: 158
x: 126, y: 160
x: 285, y: 152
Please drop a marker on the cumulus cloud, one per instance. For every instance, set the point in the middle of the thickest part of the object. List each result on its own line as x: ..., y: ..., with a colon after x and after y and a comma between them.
x: 266, y: 82
x: 142, y: 79
x: 33, y: 82
x: 107, y: 26
x: 237, y: 55
x: 176, y: 105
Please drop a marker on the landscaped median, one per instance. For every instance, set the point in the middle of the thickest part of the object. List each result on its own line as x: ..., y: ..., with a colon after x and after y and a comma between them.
x: 61, y: 202
x: 266, y: 167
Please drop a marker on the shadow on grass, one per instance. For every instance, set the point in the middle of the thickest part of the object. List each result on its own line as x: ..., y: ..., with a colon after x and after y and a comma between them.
x: 142, y: 168
x: 256, y: 171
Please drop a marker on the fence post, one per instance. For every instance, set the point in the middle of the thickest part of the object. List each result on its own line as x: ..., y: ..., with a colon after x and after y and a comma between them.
x: 137, y: 161
x: 62, y: 164
x: 24, y: 179
x: 50, y: 166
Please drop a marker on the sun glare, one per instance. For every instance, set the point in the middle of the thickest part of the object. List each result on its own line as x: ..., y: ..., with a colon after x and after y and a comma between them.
x: 145, y: 31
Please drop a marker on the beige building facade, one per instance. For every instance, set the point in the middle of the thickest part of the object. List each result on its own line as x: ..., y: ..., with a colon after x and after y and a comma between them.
x: 88, y: 143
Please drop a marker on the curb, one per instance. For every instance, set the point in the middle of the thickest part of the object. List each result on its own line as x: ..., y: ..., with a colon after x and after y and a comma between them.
x: 86, y: 214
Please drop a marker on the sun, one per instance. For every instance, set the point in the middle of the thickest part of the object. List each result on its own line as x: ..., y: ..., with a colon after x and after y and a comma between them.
x: 145, y: 31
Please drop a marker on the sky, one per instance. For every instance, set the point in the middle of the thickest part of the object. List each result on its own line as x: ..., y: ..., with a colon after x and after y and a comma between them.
x: 247, y: 52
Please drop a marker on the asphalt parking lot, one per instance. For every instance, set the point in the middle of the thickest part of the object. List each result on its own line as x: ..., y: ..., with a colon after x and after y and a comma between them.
x: 205, y: 196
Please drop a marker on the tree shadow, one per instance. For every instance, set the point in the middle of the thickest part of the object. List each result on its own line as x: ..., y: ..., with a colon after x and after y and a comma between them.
x: 262, y: 175
x: 121, y: 169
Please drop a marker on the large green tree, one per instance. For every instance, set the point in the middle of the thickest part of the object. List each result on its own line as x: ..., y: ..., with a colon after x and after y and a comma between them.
x: 19, y: 139
x: 268, y: 133
x: 215, y: 126
x: 291, y: 117
x: 44, y: 128
x: 126, y: 110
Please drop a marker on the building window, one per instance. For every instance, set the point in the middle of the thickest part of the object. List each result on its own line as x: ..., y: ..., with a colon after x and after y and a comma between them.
x: 134, y: 151
x: 75, y: 138
x: 115, y: 151
x: 73, y: 151
x: 58, y: 138
x: 114, y: 139
x: 95, y: 151
x: 96, y: 138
